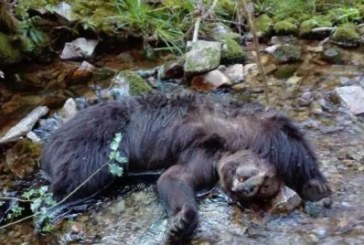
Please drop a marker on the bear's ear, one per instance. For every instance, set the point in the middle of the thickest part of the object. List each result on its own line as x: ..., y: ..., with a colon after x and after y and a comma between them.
x: 213, y: 142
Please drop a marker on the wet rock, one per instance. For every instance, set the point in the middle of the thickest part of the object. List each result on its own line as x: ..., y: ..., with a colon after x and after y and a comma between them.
x: 210, y: 81
x: 234, y: 72
x: 69, y: 109
x: 315, y: 49
x: 173, y: 70
x: 316, y: 108
x: 23, y: 157
x: 126, y: 83
x: 353, y: 97
x: 305, y: 99
x: 25, y: 125
x: 204, y: 56
x: 118, y: 207
x: 81, y: 48
x: 332, y: 55
x: 34, y: 138
x: 346, y: 35
x: 83, y: 72
x: 293, y: 81
x: 64, y: 11
x: 285, y: 53
x: 286, y: 201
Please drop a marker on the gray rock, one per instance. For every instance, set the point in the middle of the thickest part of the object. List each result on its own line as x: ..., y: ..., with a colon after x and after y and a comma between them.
x: 220, y: 31
x: 79, y: 49
x: 286, y: 201
x: 285, y: 53
x: 332, y: 55
x: 69, y: 109
x: 353, y: 97
x: 64, y: 10
x: 33, y: 137
x: 234, y: 72
x: 25, y: 125
x: 204, y: 56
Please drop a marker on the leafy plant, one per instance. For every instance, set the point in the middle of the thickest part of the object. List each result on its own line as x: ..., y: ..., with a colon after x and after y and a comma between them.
x: 15, y: 212
x: 117, y: 161
x: 41, y: 199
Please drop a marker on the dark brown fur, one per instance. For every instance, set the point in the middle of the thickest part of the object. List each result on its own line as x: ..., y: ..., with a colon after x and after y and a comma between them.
x: 184, y: 135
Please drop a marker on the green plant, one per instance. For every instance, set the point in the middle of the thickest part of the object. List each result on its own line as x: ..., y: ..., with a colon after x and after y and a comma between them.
x: 345, y: 14
x: 15, y: 212
x: 116, y: 160
x: 41, y: 200
x: 153, y: 24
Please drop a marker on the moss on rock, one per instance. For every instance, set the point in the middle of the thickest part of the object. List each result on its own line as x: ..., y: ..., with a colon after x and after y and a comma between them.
x: 232, y: 52
x: 137, y: 85
x: 346, y: 35
x: 287, y: 26
x: 264, y: 25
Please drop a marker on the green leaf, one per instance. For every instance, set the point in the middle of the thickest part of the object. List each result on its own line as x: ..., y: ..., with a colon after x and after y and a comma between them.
x: 116, y: 170
x: 116, y: 142
x: 36, y: 205
x: 43, y: 190
x: 28, y: 194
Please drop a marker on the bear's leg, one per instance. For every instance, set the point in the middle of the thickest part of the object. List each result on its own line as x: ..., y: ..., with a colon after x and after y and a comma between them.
x: 176, y: 191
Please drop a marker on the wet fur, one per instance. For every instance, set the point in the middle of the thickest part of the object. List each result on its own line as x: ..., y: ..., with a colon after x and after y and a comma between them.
x: 185, y: 136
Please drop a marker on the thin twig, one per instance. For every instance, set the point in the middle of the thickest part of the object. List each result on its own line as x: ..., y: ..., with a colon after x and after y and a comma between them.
x: 201, y: 18
x: 256, y: 47
x: 14, y: 199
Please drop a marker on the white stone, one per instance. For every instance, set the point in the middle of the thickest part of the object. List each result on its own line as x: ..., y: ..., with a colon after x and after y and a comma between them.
x: 25, y: 125
x: 353, y: 97
x: 78, y: 49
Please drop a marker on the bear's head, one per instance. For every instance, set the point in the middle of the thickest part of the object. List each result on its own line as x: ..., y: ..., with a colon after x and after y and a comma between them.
x: 245, y: 177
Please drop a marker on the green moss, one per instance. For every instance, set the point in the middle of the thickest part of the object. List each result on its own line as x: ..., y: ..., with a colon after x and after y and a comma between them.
x: 232, y: 52
x: 10, y: 51
x: 204, y: 56
x: 285, y: 27
x: 264, y: 25
x: 307, y: 25
x: 346, y: 33
x: 137, y: 84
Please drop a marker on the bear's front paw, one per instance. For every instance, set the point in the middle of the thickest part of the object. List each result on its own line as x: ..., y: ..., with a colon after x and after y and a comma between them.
x: 315, y: 190
x: 182, y: 225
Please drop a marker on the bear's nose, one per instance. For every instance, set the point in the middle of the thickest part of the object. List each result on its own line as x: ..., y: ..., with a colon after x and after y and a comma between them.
x: 249, y: 190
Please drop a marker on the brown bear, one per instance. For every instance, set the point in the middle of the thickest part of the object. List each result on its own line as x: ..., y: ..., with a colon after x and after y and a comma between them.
x: 196, y: 140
